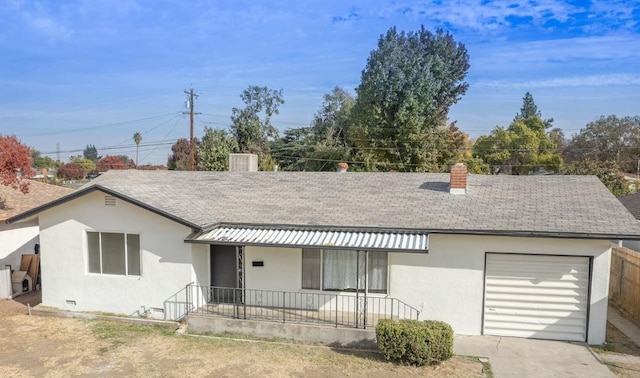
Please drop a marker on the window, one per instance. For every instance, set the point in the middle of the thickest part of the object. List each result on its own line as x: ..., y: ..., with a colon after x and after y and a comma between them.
x: 113, y: 253
x: 344, y: 270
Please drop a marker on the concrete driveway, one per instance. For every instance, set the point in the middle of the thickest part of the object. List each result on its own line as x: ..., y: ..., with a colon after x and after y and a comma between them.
x: 516, y: 357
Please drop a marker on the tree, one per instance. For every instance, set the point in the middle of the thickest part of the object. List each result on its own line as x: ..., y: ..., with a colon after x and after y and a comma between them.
x: 91, y: 153
x: 179, y: 159
x: 407, y: 87
x: 608, y: 139
x: 15, y: 165
x: 72, y: 171
x: 214, y: 150
x: 41, y: 162
x: 110, y: 162
x: 324, y: 143
x: 607, y: 171
x: 137, y: 138
x: 331, y: 122
x: 529, y: 109
x: 84, y: 163
x: 522, y: 148
x: 251, y: 126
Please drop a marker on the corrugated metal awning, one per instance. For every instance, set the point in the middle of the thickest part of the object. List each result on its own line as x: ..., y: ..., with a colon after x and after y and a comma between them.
x: 386, y: 241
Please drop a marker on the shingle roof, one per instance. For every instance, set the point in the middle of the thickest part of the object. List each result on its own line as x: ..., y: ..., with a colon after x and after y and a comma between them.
x: 39, y: 193
x: 632, y: 203
x: 535, y: 205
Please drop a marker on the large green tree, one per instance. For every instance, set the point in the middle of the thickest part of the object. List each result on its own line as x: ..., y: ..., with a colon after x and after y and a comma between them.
x: 214, y: 150
x: 521, y: 148
x: 251, y: 126
x: 608, y: 138
x: 525, y: 146
x: 530, y: 109
x: 407, y: 87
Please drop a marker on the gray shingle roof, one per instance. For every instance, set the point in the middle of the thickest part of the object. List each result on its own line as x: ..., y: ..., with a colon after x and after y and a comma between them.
x: 632, y: 203
x: 538, y: 205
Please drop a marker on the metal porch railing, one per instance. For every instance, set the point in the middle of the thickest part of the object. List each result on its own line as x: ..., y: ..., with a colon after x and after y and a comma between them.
x: 340, y: 310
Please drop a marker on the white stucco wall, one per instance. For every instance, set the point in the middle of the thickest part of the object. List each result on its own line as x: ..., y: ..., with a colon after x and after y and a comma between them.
x: 167, y: 263
x: 447, y: 283
x: 282, y: 268
x: 17, y: 239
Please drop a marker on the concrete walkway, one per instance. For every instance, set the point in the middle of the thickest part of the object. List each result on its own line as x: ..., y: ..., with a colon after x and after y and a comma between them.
x: 516, y: 357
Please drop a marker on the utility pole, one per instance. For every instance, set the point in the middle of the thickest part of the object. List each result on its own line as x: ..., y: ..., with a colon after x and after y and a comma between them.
x: 192, y: 152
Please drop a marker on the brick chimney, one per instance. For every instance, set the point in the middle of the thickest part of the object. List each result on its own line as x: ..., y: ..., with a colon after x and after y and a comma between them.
x: 458, y: 179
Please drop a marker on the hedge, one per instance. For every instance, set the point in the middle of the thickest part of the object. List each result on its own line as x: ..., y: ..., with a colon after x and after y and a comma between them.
x: 415, y: 342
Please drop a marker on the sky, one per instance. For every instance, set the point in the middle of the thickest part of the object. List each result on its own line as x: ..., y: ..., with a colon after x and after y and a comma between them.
x: 82, y: 72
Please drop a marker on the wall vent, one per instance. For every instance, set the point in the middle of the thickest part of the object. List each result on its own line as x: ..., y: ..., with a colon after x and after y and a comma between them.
x: 109, y: 200
x: 70, y: 302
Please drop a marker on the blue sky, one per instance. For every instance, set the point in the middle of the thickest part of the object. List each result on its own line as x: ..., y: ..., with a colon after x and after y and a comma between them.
x: 94, y: 72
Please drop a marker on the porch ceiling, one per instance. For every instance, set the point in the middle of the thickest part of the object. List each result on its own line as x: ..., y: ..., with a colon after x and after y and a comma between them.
x: 384, y: 241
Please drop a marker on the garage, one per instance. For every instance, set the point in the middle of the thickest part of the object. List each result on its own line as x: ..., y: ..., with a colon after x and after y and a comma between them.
x: 536, y: 296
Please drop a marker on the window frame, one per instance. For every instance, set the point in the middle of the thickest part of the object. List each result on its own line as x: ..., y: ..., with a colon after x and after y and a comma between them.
x: 321, y: 284
x: 100, y: 253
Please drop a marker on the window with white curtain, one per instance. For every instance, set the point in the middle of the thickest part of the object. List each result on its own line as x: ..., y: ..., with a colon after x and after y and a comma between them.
x: 344, y: 270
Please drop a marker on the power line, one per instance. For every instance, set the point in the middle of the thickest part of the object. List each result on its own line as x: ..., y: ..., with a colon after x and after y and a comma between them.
x: 98, y: 127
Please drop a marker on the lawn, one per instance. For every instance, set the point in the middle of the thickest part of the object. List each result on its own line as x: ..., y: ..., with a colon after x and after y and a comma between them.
x: 49, y: 346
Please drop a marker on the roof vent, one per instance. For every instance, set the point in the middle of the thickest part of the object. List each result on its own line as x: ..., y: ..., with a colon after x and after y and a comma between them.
x: 243, y: 163
x: 458, y: 179
x: 109, y: 200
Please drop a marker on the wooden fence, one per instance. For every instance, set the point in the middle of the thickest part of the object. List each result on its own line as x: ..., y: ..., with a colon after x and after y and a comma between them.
x: 624, y: 285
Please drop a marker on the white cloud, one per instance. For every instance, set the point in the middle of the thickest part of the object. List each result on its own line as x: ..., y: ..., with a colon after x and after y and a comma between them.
x: 482, y: 15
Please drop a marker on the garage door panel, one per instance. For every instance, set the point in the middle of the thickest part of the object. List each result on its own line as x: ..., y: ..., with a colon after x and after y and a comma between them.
x: 544, y: 290
x: 551, y: 319
x: 537, y: 296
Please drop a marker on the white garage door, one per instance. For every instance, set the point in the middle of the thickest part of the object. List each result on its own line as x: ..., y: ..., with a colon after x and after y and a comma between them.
x: 537, y: 296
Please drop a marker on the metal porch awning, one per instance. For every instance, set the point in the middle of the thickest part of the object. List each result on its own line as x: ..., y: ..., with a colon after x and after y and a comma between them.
x: 356, y: 240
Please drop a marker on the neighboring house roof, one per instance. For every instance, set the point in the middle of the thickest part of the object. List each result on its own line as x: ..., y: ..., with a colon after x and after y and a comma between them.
x: 632, y: 203
x: 39, y: 194
x: 564, y: 206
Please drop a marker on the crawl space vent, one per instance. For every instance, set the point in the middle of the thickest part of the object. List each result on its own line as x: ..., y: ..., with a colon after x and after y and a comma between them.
x: 109, y: 200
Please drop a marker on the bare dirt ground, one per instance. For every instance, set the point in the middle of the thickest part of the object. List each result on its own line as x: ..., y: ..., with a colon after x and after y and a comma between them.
x: 56, y: 347
x: 620, y: 353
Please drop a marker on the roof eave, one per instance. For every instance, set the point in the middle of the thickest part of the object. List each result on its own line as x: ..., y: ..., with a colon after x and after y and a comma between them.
x: 82, y: 192
x: 488, y: 232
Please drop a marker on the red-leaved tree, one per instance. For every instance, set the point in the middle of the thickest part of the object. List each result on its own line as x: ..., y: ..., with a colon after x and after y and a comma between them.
x: 71, y: 171
x: 15, y: 164
x: 110, y: 162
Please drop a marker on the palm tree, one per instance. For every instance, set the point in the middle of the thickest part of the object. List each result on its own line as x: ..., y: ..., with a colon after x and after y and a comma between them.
x: 137, y: 137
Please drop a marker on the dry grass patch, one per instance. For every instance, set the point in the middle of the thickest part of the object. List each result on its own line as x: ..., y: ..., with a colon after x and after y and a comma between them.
x: 52, y: 347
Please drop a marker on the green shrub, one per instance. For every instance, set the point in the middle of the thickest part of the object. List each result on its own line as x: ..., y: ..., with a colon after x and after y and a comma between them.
x: 415, y: 342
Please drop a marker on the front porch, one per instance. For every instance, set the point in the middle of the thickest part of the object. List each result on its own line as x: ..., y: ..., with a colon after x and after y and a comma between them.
x: 339, y: 310
x: 346, y: 319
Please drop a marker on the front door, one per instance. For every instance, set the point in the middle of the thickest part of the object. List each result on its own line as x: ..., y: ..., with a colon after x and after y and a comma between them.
x: 224, y: 277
